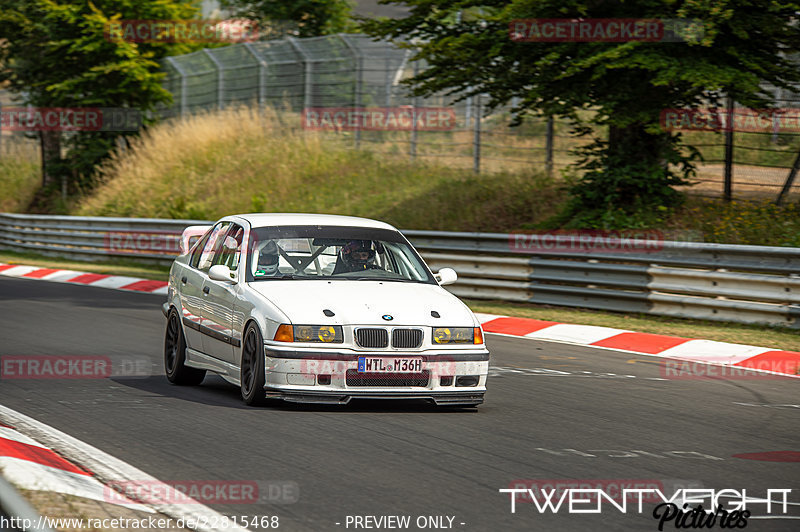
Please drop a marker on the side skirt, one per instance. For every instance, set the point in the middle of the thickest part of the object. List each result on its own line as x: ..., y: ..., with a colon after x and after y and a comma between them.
x: 228, y: 371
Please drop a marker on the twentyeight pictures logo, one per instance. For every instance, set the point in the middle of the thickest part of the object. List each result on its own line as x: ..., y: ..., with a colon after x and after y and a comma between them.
x: 604, y: 30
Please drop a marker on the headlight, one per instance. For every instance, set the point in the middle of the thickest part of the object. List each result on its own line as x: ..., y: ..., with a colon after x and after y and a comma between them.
x: 457, y: 335
x: 309, y: 333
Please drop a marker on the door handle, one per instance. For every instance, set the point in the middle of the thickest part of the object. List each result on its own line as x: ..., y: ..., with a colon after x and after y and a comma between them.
x: 205, y: 290
x: 183, y: 280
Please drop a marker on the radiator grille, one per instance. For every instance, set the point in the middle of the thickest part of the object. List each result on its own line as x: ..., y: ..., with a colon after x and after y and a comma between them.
x: 372, y: 338
x: 406, y: 338
x: 354, y: 378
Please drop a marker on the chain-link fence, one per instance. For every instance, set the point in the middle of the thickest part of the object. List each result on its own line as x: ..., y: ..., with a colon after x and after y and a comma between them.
x: 353, y: 71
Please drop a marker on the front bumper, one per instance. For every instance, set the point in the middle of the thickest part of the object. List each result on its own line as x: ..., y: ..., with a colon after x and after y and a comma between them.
x: 332, y: 377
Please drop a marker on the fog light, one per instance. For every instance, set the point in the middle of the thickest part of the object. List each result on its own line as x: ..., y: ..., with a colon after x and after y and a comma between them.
x: 323, y: 380
x: 302, y: 379
x: 467, y: 380
x: 446, y: 381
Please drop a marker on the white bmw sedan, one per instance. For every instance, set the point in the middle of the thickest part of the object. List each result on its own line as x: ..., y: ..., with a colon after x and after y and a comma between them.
x: 322, y: 309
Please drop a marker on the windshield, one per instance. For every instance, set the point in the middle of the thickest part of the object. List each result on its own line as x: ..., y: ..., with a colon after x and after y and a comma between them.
x: 342, y: 253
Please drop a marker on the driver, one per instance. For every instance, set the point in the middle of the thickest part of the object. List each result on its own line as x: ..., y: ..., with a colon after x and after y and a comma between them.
x: 355, y: 256
x: 268, y: 257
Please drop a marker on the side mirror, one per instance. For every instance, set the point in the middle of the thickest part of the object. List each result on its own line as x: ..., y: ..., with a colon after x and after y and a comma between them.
x: 220, y: 272
x: 446, y: 276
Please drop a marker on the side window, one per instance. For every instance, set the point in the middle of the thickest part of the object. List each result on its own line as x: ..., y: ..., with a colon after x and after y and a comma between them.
x: 198, y: 250
x: 230, y: 252
x: 212, y: 246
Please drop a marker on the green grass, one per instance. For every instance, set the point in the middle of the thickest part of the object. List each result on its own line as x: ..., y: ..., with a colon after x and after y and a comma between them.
x: 111, y: 267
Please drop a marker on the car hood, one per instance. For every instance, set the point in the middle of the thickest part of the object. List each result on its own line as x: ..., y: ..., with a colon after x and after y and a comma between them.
x: 365, y: 302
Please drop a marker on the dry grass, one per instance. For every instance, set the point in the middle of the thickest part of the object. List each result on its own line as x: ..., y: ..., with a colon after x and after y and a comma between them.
x: 20, y: 174
x: 210, y: 165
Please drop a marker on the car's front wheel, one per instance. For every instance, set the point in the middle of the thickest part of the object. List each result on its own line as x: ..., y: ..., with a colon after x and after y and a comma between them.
x: 175, y: 354
x: 252, y: 376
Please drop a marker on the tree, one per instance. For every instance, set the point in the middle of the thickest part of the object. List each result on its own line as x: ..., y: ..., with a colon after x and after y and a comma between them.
x: 632, y: 172
x: 56, y: 53
x: 310, y: 18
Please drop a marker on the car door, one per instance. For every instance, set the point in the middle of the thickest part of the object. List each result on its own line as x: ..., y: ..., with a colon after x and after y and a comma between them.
x: 220, y: 337
x: 191, y: 286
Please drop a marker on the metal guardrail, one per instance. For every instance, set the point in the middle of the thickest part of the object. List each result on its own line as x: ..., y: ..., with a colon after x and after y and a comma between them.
x: 745, y: 284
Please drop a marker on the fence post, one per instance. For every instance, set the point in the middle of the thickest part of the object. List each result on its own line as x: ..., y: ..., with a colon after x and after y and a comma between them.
x: 357, y: 83
x: 548, y: 147
x: 787, y: 186
x: 220, y: 79
x: 308, y: 68
x: 262, y: 74
x: 728, y: 194
x: 476, y: 137
x: 184, y: 85
x: 412, y: 148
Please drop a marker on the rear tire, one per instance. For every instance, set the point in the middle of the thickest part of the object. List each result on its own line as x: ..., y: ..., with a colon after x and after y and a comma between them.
x: 175, y: 354
x: 252, y: 377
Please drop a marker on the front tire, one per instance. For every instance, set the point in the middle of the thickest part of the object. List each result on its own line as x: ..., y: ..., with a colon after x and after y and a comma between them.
x: 175, y: 354
x: 252, y: 377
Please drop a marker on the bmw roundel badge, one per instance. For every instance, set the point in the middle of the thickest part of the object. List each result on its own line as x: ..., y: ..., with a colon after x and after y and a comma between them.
x: 387, y: 317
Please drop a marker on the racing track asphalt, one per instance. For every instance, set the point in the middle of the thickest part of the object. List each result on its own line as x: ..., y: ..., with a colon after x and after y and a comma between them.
x: 376, y: 458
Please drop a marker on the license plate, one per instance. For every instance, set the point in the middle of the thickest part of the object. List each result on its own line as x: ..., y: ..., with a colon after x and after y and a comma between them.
x: 390, y: 365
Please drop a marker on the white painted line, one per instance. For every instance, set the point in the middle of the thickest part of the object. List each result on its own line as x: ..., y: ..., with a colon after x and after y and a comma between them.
x: 38, y: 477
x: 18, y: 271
x: 109, y: 469
x: 11, y: 434
x: 162, y: 291
x: 575, y: 334
x: 483, y: 318
x: 711, y: 351
x: 61, y: 275
x: 115, y: 281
